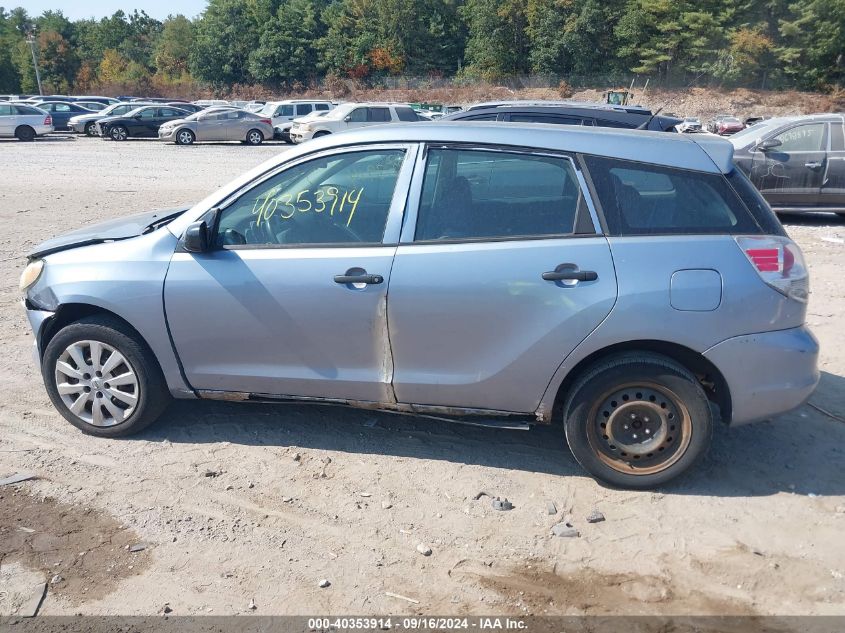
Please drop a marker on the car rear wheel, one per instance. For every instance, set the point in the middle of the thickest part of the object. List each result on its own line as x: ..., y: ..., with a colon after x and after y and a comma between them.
x: 637, y: 420
x: 90, y: 129
x: 118, y: 133
x: 254, y: 137
x: 185, y: 137
x: 25, y: 133
x: 103, y: 379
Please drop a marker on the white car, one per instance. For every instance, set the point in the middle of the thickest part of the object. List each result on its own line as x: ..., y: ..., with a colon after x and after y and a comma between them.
x: 24, y: 122
x: 205, y: 103
x: 282, y: 113
x: 349, y: 116
x: 690, y: 124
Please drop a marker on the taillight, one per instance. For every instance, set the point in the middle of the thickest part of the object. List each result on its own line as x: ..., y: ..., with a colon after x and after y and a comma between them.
x: 48, y: 120
x: 779, y: 262
x: 267, y: 121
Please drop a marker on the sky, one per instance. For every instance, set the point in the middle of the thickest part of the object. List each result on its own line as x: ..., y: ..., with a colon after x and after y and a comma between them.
x: 80, y: 9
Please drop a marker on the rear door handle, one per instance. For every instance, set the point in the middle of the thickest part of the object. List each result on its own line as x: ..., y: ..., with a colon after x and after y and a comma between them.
x: 813, y: 165
x: 358, y: 279
x: 571, y: 275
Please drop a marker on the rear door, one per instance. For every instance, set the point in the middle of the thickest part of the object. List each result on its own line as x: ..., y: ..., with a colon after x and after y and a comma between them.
x: 833, y: 185
x: 485, y: 300
x: 791, y: 174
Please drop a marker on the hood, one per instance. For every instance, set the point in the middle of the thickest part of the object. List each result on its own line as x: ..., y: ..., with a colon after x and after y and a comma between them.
x: 109, y: 231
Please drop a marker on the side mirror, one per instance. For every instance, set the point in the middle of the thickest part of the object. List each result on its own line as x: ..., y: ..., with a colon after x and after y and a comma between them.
x: 348, y: 119
x: 769, y: 144
x: 196, y: 239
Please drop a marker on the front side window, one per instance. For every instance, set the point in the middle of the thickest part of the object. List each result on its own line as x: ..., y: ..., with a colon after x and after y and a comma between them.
x: 643, y: 199
x: 802, y: 138
x: 284, y: 110
x: 339, y: 199
x: 358, y: 115
x: 167, y: 112
x: 477, y: 194
x: 149, y: 113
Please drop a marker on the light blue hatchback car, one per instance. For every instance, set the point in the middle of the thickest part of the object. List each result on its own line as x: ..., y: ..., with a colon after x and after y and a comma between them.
x: 630, y: 286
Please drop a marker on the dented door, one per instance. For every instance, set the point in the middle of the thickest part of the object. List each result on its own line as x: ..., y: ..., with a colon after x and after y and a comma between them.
x: 272, y: 310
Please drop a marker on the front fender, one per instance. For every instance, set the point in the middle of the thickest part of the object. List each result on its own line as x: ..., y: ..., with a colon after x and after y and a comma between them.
x: 124, y: 277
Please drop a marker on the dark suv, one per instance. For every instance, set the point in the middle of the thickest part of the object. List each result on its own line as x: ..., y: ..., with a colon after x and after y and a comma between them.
x: 588, y: 114
x: 797, y: 163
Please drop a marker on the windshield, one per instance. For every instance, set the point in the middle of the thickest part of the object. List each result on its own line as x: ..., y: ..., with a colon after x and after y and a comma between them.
x: 341, y: 111
x: 268, y: 109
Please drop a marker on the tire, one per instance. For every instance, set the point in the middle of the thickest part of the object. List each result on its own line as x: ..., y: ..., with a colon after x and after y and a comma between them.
x: 254, y: 137
x: 25, y: 133
x: 185, y: 137
x: 118, y: 133
x: 141, y: 396
x: 90, y: 129
x: 663, y: 399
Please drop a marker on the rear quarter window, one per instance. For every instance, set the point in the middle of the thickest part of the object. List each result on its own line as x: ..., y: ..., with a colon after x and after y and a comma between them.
x: 644, y: 199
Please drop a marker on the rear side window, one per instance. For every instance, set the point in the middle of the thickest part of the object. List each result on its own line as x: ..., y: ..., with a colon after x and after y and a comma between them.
x: 643, y: 199
x: 25, y: 110
x: 476, y: 194
x: 379, y: 114
x: 5, y: 110
x: 406, y: 114
x: 837, y: 137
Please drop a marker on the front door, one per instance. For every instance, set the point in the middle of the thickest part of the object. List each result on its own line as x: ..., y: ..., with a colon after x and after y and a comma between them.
x: 500, y: 277
x: 791, y: 174
x: 291, y: 301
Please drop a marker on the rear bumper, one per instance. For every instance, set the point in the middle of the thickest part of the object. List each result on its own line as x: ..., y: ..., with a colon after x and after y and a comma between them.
x: 769, y: 373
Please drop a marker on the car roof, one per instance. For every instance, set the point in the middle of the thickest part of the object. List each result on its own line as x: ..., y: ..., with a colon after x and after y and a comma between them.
x: 562, y: 103
x: 704, y: 153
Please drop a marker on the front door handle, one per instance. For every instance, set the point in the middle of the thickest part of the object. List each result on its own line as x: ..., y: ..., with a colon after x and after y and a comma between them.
x: 571, y: 275
x: 813, y: 165
x: 363, y: 278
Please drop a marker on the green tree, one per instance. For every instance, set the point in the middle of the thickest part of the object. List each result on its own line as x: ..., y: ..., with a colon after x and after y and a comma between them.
x: 174, y: 46
x: 225, y: 35
x: 497, y: 44
x: 287, y: 51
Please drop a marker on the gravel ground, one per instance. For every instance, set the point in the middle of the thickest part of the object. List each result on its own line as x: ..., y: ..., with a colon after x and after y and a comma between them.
x: 228, y: 503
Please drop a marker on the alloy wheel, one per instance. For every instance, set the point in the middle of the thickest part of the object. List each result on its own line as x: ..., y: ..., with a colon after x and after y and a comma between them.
x: 96, y: 383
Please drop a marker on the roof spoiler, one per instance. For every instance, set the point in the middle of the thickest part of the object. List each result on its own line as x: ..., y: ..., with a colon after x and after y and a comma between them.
x: 720, y: 151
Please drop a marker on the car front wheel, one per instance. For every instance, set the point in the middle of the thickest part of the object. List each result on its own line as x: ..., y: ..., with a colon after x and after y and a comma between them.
x: 118, y: 133
x: 254, y: 137
x: 185, y: 137
x: 637, y: 420
x: 90, y: 129
x: 102, y: 378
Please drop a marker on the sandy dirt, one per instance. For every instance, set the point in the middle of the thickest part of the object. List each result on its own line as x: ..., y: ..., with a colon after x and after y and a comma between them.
x: 235, y: 502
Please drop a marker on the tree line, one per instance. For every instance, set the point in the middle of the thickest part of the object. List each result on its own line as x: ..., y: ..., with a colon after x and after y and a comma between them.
x: 293, y: 43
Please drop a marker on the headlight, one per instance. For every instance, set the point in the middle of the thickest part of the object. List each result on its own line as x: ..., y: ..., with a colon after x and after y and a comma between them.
x: 305, y: 127
x: 31, y: 273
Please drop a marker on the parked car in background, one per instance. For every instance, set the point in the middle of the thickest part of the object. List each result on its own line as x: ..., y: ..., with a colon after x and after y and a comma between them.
x: 725, y: 125
x: 96, y: 99
x: 284, y: 131
x: 690, y: 124
x: 94, y: 106
x: 187, y: 107
x: 594, y: 115
x: 86, y: 123
x: 282, y: 113
x: 470, y: 273
x: 141, y: 122
x: 797, y: 163
x: 23, y: 122
x: 349, y: 116
x: 210, y: 102
x: 254, y: 106
x: 62, y: 111
x: 218, y: 125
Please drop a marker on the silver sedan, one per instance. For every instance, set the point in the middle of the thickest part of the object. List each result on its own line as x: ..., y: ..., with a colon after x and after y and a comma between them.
x: 218, y: 125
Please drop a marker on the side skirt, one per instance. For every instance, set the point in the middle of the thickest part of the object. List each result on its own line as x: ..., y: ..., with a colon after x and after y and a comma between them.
x: 459, y: 415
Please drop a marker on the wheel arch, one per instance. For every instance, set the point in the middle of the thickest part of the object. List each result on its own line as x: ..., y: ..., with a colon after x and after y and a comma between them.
x: 24, y: 126
x: 711, y: 379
